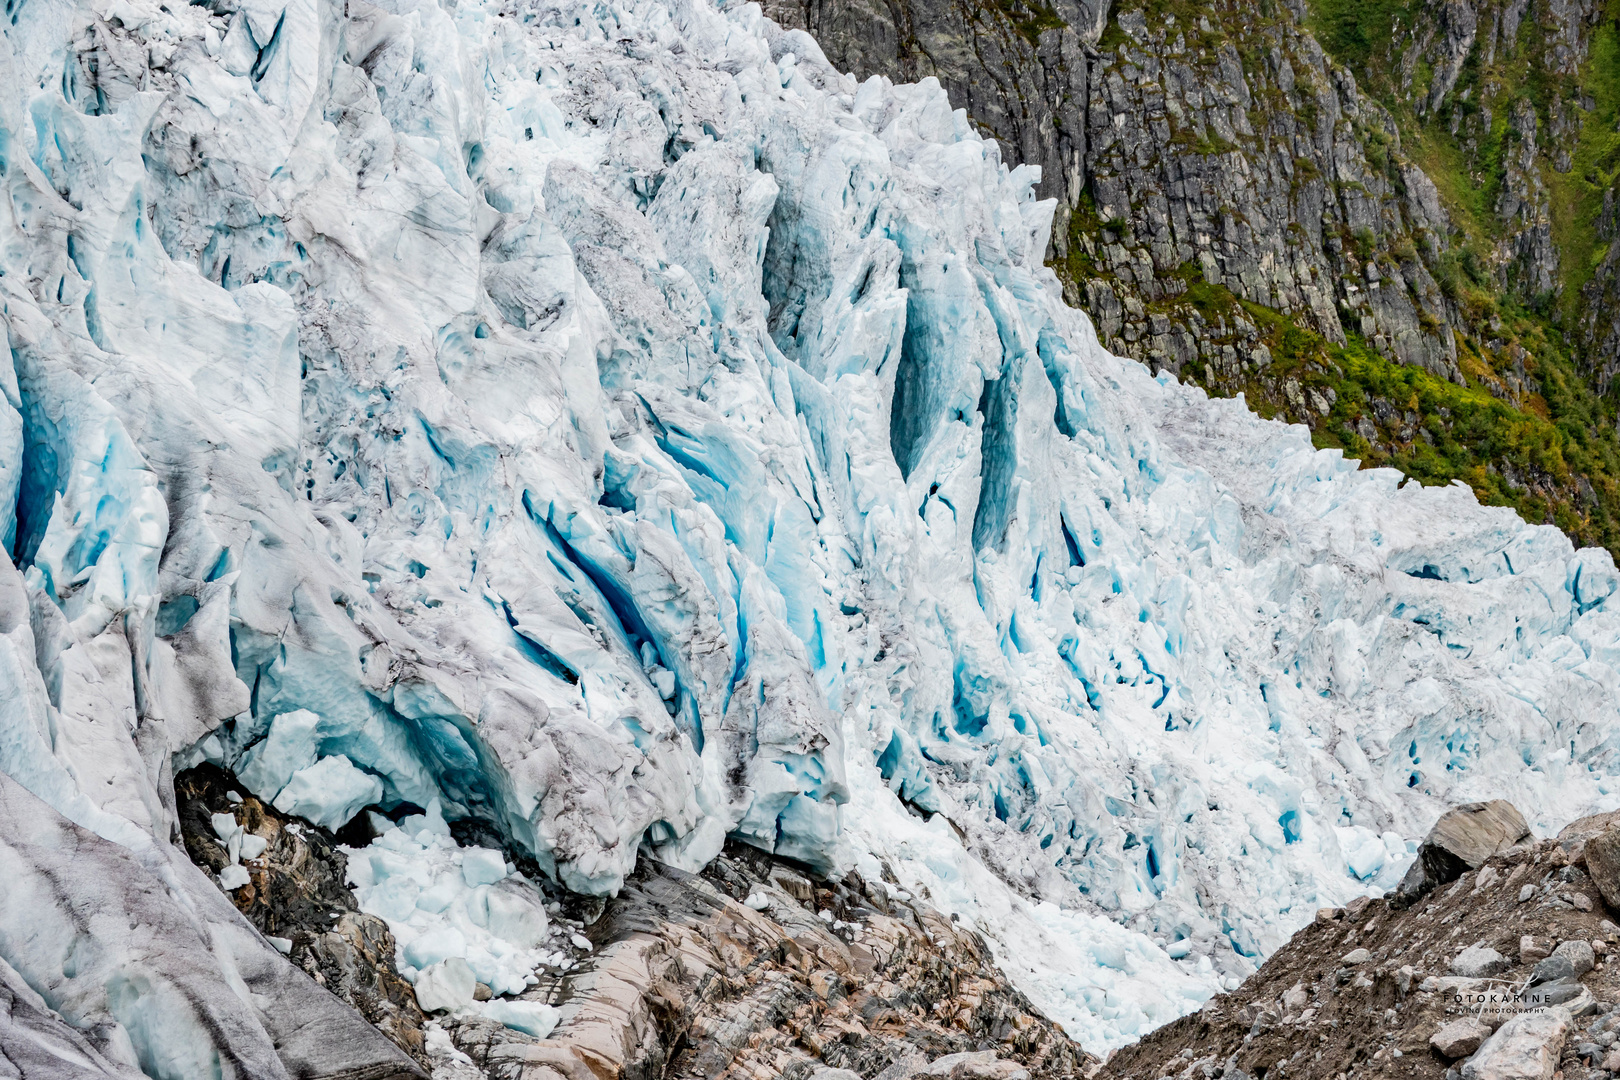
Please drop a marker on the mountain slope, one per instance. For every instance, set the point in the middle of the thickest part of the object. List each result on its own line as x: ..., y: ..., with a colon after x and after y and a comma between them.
x: 1268, y: 218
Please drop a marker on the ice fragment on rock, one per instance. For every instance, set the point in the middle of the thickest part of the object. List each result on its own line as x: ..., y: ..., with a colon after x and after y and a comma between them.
x: 290, y: 745
x: 512, y: 917
x: 253, y: 845
x: 225, y: 827
x: 435, y: 898
x: 329, y: 793
x: 233, y: 877
x: 530, y: 1017
x: 435, y: 946
x: 445, y: 986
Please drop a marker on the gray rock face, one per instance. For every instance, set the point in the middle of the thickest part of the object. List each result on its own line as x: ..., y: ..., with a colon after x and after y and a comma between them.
x: 1249, y: 162
x: 1013, y: 77
x: 1229, y: 157
x: 1525, y: 1048
x: 1461, y: 840
x: 1459, y: 1038
x: 1599, y: 327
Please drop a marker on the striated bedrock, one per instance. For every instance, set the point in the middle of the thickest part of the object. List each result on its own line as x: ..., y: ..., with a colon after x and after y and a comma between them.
x: 614, y: 429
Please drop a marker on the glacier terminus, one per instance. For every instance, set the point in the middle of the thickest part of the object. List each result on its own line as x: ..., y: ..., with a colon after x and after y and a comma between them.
x: 608, y: 422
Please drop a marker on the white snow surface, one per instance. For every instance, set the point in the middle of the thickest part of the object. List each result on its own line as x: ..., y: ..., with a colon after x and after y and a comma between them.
x: 609, y: 421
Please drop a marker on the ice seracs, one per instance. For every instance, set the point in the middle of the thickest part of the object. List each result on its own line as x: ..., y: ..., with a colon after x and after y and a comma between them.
x: 609, y: 423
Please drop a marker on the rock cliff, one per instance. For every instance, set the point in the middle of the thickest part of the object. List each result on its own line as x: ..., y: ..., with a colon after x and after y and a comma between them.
x: 1306, y: 224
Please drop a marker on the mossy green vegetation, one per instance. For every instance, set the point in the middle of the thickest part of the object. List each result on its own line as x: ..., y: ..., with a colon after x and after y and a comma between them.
x: 1031, y: 18
x: 1531, y: 454
x: 1539, y: 441
x: 1526, y: 428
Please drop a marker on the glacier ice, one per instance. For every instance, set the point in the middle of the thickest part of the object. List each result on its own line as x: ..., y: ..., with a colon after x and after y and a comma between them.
x: 610, y: 423
x: 443, y: 901
x: 529, y: 1017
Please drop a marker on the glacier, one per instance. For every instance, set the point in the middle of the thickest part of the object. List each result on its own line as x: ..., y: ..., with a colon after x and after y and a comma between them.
x: 608, y: 422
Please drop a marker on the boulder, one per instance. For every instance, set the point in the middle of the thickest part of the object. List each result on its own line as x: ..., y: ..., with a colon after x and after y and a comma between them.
x: 1460, y: 841
x: 1602, y: 856
x: 1579, y: 954
x: 1573, y: 837
x: 1527, y: 1047
x: 1533, y: 949
x: 1479, y: 962
x: 1553, y: 969
x: 1459, y: 1038
x: 977, y: 1065
x: 1561, y: 992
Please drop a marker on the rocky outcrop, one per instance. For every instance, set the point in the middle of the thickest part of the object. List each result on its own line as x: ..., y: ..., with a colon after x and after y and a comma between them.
x: 1241, y: 208
x: 297, y: 897
x: 1597, y: 840
x: 754, y: 969
x: 1456, y: 44
x: 1599, y: 328
x: 1019, y: 67
x: 1462, y: 840
x: 1371, y: 990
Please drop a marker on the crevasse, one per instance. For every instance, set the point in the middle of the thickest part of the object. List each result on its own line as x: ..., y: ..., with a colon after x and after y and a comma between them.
x: 611, y: 422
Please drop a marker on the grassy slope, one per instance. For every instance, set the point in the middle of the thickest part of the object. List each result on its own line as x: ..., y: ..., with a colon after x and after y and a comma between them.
x: 1533, y: 456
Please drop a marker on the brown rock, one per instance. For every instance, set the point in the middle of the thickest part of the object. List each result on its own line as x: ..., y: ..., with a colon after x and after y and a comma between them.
x: 1603, y: 862
x: 1460, y: 841
x: 1532, y: 949
x: 980, y: 1065
x: 1459, y: 1038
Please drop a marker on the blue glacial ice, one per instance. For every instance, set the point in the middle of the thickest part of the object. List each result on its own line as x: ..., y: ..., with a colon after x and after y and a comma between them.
x: 608, y: 422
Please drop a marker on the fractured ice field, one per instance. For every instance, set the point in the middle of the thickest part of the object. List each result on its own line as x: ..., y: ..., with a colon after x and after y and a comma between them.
x: 608, y: 422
